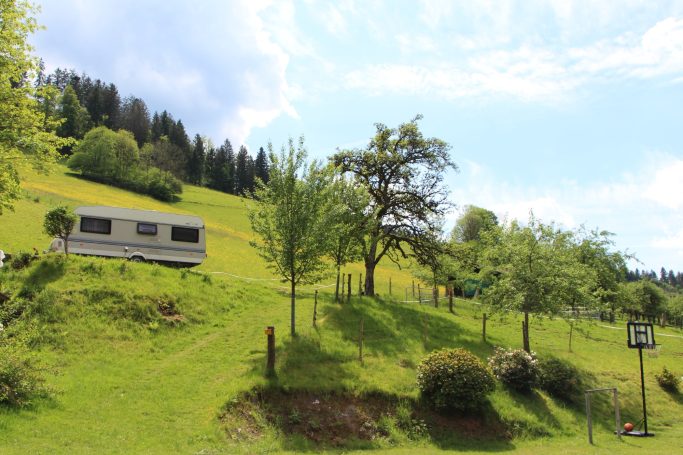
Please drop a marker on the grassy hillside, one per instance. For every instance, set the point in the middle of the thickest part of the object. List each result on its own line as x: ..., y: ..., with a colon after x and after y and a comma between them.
x: 146, y: 359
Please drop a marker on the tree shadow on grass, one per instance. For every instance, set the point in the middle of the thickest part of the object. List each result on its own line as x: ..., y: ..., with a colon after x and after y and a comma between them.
x: 300, y: 363
x: 47, y: 271
x: 395, y: 328
x: 480, y: 430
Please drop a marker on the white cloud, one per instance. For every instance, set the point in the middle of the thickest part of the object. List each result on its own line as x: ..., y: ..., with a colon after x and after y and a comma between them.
x: 221, y: 67
x: 531, y: 72
x: 641, y: 208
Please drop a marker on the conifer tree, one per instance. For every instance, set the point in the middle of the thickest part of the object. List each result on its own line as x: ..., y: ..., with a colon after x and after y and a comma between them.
x: 261, y: 165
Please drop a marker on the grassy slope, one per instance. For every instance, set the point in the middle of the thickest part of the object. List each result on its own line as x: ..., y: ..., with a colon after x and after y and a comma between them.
x: 135, y: 384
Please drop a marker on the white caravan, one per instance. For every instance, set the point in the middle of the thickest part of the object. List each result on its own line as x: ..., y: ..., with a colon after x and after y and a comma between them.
x: 139, y: 235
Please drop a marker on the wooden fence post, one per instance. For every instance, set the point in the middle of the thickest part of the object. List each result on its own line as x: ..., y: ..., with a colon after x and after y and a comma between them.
x: 571, y: 329
x: 360, y: 284
x: 389, y: 285
x: 419, y: 294
x: 348, y: 294
x: 342, y: 287
x: 360, y: 342
x: 413, y: 288
x: 450, y: 298
x: 483, y: 327
x: 315, y: 308
x: 270, y: 363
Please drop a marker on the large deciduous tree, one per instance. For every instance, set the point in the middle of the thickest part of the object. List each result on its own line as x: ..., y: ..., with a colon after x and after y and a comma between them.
x: 105, y: 155
x: 25, y: 136
x: 538, y: 271
x: 289, y: 219
x: 402, y: 172
x: 472, y: 222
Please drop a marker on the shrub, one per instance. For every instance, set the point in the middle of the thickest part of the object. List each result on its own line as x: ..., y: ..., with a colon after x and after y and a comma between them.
x: 19, y: 378
x: 559, y: 378
x: 21, y: 260
x: 515, y: 368
x: 454, y: 379
x: 668, y: 381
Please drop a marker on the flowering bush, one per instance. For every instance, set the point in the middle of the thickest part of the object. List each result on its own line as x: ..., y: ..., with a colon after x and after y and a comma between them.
x: 454, y: 379
x: 515, y: 368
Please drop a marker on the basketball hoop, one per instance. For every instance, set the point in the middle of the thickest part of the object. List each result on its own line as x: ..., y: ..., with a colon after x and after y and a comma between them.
x: 653, y: 350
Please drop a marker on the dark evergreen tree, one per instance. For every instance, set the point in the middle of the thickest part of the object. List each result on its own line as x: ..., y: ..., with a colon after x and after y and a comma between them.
x: 219, y: 179
x: 195, y: 165
x: 111, y: 105
x: 209, y: 165
x: 671, y: 278
x: 95, y: 103
x: 662, y: 275
x: 155, y: 129
x: 135, y: 118
x: 244, y: 172
x: 261, y: 166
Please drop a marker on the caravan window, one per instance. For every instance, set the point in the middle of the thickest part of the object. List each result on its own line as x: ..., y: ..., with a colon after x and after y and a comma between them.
x: 95, y: 225
x: 181, y: 234
x: 147, y: 229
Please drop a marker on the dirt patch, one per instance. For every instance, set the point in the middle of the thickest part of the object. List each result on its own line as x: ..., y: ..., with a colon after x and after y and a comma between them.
x: 169, y: 312
x: 337, y: 419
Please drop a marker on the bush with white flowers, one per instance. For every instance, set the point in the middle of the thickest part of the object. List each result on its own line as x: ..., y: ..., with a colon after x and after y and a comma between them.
x: 515, y: 368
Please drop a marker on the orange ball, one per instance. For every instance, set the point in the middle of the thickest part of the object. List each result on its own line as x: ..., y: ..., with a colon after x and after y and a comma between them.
x: 628, y: 426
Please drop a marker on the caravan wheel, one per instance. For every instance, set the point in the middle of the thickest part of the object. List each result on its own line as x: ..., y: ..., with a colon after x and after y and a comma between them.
x: 137, y: 259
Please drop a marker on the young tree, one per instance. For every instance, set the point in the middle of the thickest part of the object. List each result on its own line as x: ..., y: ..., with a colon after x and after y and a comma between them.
x: 402, y: 172
x: 538, y: 271
x: 24, y: 136
x: 289, y: 219
x: 59, y: 222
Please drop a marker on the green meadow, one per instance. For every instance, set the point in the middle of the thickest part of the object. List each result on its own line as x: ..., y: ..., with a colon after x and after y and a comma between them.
x: 142, y: 358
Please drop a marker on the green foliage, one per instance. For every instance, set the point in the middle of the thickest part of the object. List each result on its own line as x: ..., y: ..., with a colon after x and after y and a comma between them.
x: 105, y: 154
x: 536, y: 270
x: 59, y: 222
x: 668, y: 381
x: 21, y: 260
x: 20, y: 379
x: 454, y: 379
x: 559, y: 378
x: 290, y: 218
x: 75, y: 118
x: 112, y: 157
x: 27, y: 134
x: 473, y: 221
x: 402, y: 172
x: 515, y: 368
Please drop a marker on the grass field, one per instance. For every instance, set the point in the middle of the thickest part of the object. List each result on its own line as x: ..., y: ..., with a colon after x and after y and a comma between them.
x: 127, y: 379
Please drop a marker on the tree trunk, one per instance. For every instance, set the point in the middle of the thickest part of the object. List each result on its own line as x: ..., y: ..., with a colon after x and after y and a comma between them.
x: 370, y: 269
x: 293, y: 295
x: 336, y: 291
x: 525, y: 333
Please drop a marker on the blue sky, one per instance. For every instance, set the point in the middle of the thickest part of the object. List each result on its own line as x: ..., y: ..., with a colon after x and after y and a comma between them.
x: 570, y: 108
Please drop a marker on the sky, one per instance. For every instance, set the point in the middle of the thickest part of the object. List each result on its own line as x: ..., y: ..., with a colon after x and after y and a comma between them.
x: 572, y: 109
